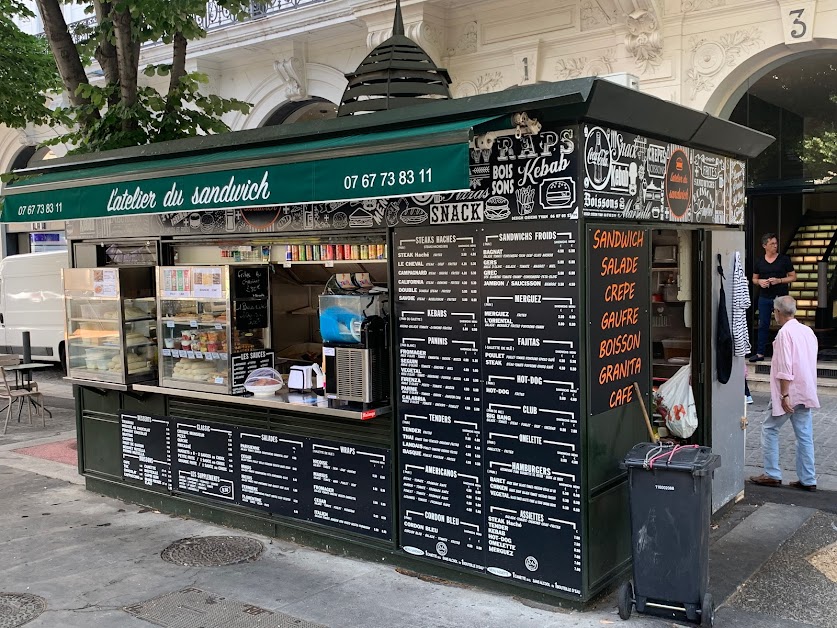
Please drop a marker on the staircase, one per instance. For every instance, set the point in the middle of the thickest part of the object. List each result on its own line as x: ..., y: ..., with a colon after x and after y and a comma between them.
x: 806, y: 250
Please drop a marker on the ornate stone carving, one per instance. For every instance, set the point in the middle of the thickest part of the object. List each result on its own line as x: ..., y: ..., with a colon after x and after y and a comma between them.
x: 488, y: 82
x: 580, y: 66
x: 594, y: 16
x: 422, y: 32
x: 710, y: 58
x: 467, y: 41
x: 292, y: 73
x: 688, y: 6
x: 643, y: 41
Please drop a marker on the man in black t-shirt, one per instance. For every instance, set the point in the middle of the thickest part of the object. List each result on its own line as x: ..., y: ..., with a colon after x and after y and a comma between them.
x: 772, y: 274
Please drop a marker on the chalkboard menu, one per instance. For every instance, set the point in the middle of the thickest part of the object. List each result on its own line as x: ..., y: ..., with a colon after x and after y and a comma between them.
x: 440, y: 410
x: 618, y: 307
x: 245, y: 363
x: 205, y: 459
x: 250, y: 282
x: 335, y: 484
x: 351, y: 487
x: 530, y: 295
x: 488, y: 337
x: 251, y: 314
x: 146, y: 447
x: 628, y: 176
x: 275, y: 472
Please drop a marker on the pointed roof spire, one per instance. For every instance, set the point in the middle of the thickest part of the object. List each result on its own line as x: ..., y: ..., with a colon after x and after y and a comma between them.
x: 397, y: 73
x: 398, y: 22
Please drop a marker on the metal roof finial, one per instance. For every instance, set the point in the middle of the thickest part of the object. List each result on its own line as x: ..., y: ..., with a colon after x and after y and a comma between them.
x: 398, y: 22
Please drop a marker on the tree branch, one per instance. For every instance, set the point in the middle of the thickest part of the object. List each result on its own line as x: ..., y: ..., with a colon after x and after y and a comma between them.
x: 127, y: 53
x: 64, y: 50
x: 105, y: 52
x: 178, y: 63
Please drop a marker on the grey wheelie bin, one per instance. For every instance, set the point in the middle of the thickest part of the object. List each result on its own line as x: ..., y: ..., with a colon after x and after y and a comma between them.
x: 670, y: 491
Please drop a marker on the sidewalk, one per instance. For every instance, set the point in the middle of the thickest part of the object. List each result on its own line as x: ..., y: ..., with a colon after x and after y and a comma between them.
x: 91, y: 558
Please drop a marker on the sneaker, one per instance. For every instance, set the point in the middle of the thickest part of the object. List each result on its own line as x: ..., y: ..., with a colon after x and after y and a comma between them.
x: 748, y: 399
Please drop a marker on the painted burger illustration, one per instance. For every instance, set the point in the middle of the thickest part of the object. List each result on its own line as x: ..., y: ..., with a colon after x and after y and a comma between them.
x: 497, y: 208
x: 558, y: 193
x: 413, y: 216
x: 361, y: 218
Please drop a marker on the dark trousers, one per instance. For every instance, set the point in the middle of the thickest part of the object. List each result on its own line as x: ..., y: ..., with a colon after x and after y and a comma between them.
x: 765, y: 313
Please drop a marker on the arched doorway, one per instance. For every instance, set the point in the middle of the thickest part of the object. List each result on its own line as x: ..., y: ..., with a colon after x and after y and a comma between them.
x: 301, y: 111
x: 792, y: 185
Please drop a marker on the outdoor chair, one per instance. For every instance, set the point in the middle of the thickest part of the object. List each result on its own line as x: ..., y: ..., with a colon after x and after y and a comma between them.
x: 23, y: 395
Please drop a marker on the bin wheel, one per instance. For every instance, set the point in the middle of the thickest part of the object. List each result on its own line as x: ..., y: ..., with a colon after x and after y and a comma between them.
x: 625, y: 597
x: 707, y: 611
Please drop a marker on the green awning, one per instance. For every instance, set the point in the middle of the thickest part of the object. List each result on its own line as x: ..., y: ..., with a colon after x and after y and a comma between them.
x: 416, y: 160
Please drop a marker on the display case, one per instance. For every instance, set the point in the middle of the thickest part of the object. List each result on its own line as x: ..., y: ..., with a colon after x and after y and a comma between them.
x: 208, y: 316
x: 111, y: 324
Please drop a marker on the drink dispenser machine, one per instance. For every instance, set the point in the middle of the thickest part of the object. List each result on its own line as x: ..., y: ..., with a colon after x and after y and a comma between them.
x: 353, y: 324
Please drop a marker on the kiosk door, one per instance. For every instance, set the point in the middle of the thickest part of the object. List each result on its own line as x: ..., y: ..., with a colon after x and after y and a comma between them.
x: 727, y: 408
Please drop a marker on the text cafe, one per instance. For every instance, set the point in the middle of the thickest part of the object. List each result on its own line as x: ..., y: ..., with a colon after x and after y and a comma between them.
x: 413, y: 334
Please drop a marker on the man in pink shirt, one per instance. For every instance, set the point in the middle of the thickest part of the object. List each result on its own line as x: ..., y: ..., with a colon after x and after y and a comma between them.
x: 793, y: 392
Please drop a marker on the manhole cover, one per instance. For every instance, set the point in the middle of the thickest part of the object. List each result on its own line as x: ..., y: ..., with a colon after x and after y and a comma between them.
x: 193, y: 608
x: 17, y: 609
x: 213, y: 551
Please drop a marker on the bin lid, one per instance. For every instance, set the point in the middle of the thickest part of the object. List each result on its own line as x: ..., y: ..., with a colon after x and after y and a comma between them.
x: 689, y: 459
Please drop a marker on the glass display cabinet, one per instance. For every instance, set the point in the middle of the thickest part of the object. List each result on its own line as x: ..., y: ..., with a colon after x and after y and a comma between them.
x: 111, y: 324
x: 208, y: 314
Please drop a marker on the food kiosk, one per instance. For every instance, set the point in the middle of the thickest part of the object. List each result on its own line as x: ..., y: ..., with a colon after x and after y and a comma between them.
x: 541, y: 249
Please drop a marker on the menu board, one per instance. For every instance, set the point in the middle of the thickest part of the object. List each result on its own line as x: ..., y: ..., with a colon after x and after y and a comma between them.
x: 351, y: 487
x: 205, y: 459
x: 437, y: 302
x: 250, y: 283
x: 530, y: 295
x: 628, y: 176
x: 245, y: 363
x: 251, y: 314
x: 336, y: 484
x: 488, y: 337
x: 618, y: 307
x: 275, y: 472
x: 146, y: 447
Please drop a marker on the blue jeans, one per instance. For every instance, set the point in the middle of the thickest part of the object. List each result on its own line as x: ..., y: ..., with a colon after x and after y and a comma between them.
x: 803, y: 427
x: 765, y: 313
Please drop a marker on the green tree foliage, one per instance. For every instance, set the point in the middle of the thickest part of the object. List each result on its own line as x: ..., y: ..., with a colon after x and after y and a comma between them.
x: 111, y: 107
x: 27, y: 71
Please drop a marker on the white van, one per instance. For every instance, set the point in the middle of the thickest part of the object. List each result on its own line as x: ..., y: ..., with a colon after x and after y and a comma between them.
x: 32, y: 299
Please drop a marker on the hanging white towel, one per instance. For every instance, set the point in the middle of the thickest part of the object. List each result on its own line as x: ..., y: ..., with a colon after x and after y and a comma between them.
x: 740, y: 303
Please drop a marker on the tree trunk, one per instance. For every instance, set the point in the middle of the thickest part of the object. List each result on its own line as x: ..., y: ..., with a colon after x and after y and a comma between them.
x: 178, y: 63
x: 127, y: 52
x: 64, y: 50
x: 105, y: 51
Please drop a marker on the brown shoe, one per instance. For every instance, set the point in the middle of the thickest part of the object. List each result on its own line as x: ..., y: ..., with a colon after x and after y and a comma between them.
x: 803, y: 487
x: 765, y: 480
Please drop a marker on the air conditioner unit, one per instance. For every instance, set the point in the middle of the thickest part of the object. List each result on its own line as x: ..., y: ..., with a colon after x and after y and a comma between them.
x: 624, y: 79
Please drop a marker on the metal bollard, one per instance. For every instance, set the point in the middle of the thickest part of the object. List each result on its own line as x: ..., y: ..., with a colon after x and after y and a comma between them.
x: 27, y: 348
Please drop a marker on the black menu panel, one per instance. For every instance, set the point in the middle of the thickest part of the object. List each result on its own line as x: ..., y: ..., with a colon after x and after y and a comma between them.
x: 146, y: 449
x: 327, y: 482
x: 350, y: 487
x: 440, y: 407
x: 245, y: 363
x: 530, y: 295
x: 251, y: 314
x: 489, y: 398
x: 275, y: 472
x: 618, y: 304
x: 205, y: 461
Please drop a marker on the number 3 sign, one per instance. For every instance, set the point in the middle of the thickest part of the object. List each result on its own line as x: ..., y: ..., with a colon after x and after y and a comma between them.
x: 798, y: 21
